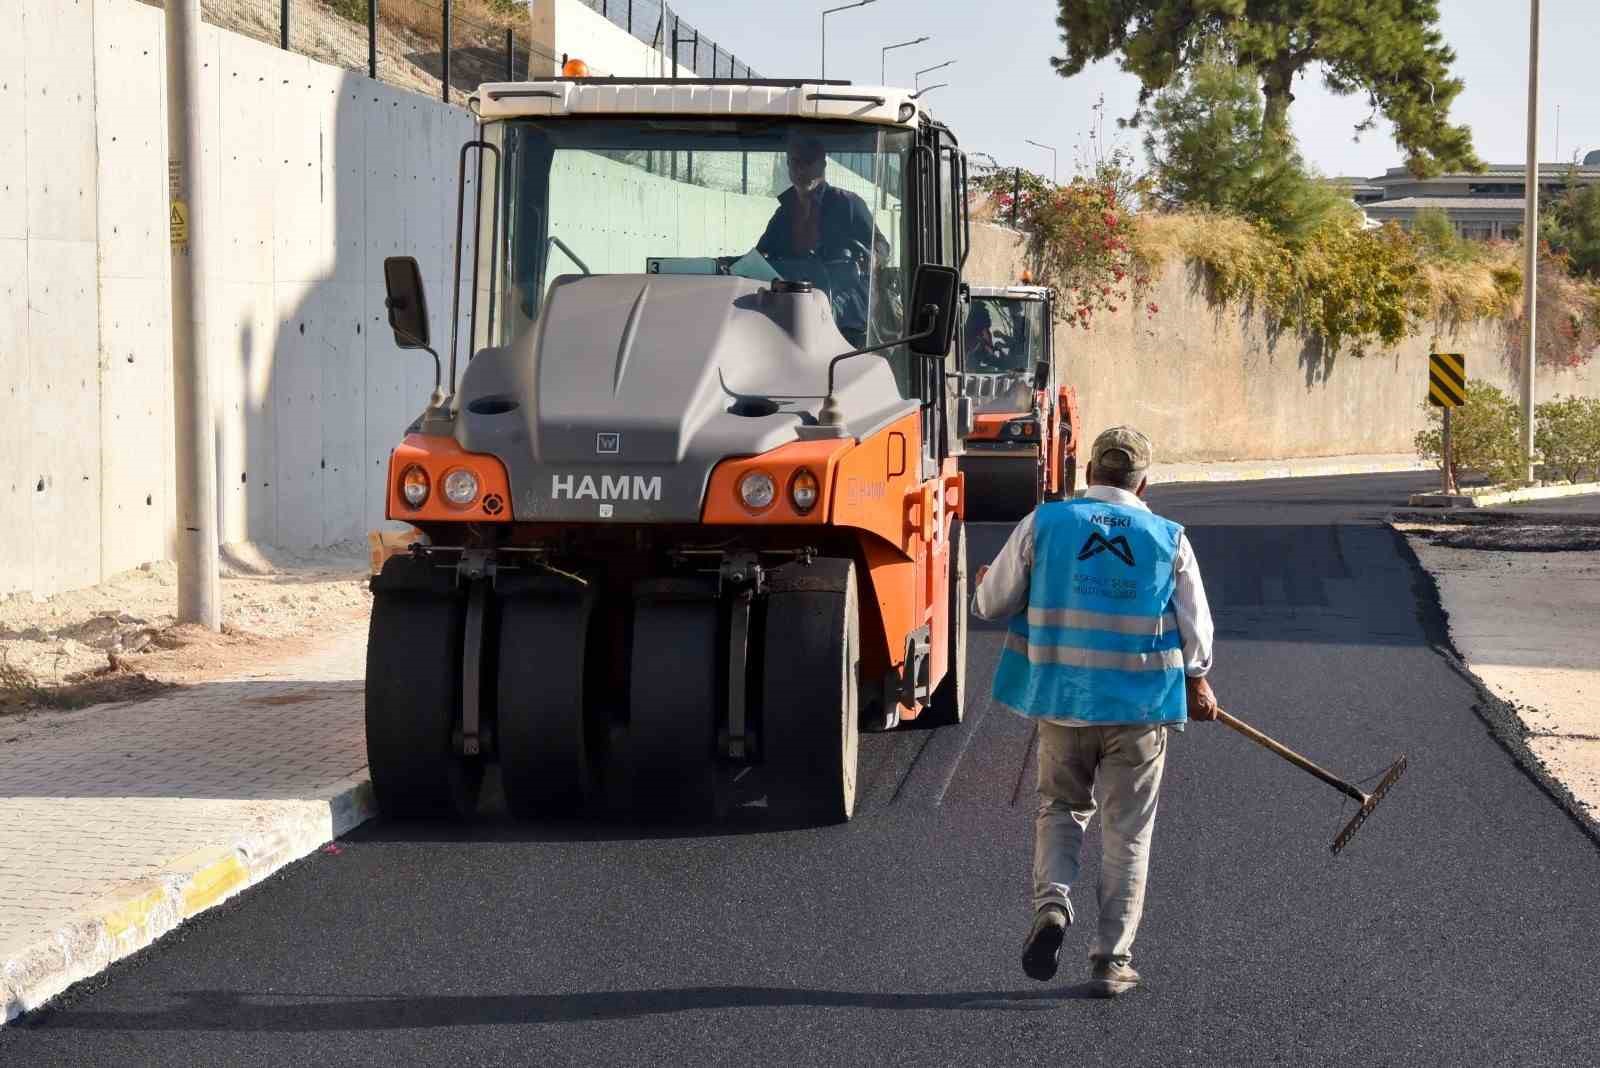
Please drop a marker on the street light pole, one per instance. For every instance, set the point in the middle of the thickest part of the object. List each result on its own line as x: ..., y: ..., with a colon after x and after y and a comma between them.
x: 193, y: 430
x: 825, y: 14
x: 916, y: 79
x: 1055, y: 177
x: 1530, y: 240
x: 883, y: 65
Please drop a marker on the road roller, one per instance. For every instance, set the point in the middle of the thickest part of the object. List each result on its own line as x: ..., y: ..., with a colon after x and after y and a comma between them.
x: 1021, y: 449
x: 688, y: 510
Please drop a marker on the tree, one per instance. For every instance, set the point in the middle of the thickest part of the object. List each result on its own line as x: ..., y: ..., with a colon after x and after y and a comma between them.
x: 1389, y: 49
x: 1206, y: 150
x: 1572, y: 227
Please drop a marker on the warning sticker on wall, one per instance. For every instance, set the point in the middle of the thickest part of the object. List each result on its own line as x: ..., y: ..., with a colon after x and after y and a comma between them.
x: 179, y: 223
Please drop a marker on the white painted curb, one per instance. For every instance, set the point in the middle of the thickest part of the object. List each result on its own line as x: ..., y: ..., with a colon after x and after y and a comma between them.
x: 1514, y: 496
x: 1309, y: 467
x: 136, y: 916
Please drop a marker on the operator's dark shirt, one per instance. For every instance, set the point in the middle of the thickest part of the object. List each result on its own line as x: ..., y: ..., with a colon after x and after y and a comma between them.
x: 844, y: 219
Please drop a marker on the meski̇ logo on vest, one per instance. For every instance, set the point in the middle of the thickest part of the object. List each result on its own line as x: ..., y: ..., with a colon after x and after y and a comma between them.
x: 1097, y: 543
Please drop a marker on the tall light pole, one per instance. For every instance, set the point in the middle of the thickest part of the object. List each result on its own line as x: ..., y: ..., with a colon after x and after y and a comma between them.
x: 883, y: 65
x: 1054, y: 177
x: 825, y: 14
x: 916, y: 79
x: 1530, y: 239
x: 193, y: 424
x: 926, y: 89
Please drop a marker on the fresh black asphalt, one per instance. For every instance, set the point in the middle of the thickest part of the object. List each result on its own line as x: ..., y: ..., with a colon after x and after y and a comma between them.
x: 1462, y: 926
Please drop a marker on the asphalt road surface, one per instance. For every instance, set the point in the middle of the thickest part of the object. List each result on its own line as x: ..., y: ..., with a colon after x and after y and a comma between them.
x: 1462, y: 926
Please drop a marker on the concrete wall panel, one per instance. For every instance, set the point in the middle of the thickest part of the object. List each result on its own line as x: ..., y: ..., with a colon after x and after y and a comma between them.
x: 60, y: 142
x: 130, y: 141
x: 64, y: 373
x: 17, y: 466
x: 297, y: 413
x: 345, y: 508
x: 13, y: 123
x: 246, y: 176
x: 136, y: 381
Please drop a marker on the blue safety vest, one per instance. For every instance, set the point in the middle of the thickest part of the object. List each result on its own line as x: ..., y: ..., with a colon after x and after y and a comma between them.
x: 1099, y: 642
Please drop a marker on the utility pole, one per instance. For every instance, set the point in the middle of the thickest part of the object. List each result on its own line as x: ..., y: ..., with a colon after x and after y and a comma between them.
x: 825, y: 14
x: 883, y: 57
x: 1055, y: 175
x: 1530, y: 240
x: 195, y: 444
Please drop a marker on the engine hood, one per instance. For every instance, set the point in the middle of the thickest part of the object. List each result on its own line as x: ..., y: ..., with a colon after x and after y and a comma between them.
x: 617, y: 403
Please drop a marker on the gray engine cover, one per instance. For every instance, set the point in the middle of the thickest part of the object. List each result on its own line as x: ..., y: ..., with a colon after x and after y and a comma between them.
x: 617, y: 403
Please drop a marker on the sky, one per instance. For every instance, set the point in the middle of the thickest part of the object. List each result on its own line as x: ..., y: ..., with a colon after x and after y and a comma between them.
x: 1002, y: 91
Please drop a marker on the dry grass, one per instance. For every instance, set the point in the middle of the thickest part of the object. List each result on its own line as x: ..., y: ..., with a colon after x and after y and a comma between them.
x: 1170, y: 237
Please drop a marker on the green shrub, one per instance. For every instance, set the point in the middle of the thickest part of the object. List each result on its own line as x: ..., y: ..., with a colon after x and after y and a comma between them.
x: 1485, y: 436
x: 1567, y: 436
x: 354, y: 10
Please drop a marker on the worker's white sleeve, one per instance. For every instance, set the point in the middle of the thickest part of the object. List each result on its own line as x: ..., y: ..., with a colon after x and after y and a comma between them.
x: 1193, y: 611
x: 1004, y: 590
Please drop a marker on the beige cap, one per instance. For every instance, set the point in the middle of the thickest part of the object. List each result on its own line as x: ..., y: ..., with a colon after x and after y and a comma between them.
x: 1121, y: 448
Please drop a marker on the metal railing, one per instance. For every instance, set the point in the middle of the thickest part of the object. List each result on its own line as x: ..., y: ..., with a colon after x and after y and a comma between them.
x: 656, y: 24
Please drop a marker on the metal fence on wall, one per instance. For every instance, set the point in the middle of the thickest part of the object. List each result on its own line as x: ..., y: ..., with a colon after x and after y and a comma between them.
x: 656, y: 24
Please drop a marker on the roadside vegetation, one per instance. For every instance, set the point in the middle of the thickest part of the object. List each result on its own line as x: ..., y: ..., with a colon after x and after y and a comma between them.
x: 1227, y: 191
x: 1486, y: 437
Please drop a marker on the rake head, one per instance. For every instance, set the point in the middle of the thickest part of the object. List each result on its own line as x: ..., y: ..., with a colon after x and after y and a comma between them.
x: 1369, y: 802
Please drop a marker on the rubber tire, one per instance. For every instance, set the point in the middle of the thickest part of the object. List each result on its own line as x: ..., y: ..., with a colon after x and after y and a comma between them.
x: 810, y: 697
x: 948, y: 705
x: 413, y: 707
x: 672, y: 700
x: 549, y: 746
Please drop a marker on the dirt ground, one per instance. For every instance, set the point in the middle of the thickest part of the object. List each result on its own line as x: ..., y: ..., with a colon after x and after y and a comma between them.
x: 120, y: 640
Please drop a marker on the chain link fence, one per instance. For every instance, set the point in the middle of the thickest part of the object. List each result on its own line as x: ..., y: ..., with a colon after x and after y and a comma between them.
x: 658, y: 26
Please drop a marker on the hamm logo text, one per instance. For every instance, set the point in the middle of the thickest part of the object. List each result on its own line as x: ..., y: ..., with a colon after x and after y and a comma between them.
x: 606, y: 488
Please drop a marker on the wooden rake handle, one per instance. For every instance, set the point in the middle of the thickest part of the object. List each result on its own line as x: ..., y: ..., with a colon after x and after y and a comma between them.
x: 1292, y: 757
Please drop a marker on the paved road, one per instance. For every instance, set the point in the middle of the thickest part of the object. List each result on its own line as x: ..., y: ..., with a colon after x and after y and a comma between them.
x: 1460, y: 927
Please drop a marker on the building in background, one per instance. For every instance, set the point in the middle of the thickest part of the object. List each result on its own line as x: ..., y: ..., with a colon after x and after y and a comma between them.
x: 1482, y: 207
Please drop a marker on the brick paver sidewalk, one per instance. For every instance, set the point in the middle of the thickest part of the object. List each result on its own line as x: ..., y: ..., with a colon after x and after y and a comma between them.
x: 119, y: 822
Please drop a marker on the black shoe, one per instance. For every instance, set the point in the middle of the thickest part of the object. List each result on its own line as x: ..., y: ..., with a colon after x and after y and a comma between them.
x: 1043, y: 950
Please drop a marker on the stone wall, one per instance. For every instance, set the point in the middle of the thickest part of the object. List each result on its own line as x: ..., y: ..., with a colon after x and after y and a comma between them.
x: 1212, y: 383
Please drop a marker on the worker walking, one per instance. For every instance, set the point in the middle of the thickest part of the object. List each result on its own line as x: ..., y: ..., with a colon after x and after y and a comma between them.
x: 1108, y: 648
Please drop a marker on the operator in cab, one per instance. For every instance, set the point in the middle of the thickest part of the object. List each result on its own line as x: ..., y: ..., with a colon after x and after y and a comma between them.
x: 813, y: 217
x: 982, y: 353
x: 825, y: 235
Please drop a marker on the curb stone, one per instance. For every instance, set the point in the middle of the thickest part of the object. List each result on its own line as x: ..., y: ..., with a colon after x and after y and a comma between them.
x: 1513, y: 496
x: 1309, y: 467
x: 138, y: 915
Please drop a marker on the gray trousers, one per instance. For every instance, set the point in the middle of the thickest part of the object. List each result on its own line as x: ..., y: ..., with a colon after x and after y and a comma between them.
x: 1124, y: 765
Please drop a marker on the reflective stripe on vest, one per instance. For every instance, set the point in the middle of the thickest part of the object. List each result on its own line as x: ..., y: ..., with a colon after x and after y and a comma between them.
x: 1099, y: 642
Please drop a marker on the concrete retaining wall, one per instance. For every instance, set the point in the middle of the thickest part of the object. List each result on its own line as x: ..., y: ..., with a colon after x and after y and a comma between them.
x: 1212, y: 384
x: 316, y: 174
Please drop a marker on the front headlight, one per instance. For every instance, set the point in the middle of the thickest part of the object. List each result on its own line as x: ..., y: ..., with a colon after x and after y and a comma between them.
x: 757, y: 491
x: 414, y: 486
x: 461, y: 487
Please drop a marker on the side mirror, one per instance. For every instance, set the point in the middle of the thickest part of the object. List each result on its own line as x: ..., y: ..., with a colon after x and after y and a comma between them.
x: 1041, y: 375
x: 934, y: 292
x: 408, y: 307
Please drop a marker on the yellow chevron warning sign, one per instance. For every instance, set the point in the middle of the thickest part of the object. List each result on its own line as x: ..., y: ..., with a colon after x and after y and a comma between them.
x: 1447, y: 379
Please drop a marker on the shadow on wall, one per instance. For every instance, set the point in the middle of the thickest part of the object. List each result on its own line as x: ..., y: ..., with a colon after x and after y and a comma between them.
x: 316, y: 176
